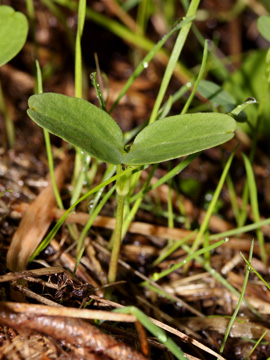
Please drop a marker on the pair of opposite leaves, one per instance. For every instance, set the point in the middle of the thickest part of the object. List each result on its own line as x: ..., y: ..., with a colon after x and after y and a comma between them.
x: 95, y: 132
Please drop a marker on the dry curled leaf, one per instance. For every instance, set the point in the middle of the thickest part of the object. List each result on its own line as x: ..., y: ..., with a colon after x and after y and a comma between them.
x: 34, y: 223
x: 74, y: 331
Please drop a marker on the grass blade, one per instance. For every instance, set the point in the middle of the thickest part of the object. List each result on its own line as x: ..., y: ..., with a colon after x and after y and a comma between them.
x: 213, y: 203
x: 188, y: 258
x: 180, y: 41
x: 239, y: 301
x: 254, y: 205
x: 155, y: 330
x: 204, y: 60
x: 144, y: 63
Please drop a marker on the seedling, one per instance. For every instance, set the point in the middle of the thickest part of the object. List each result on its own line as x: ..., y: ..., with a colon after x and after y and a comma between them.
x: 95, y: 132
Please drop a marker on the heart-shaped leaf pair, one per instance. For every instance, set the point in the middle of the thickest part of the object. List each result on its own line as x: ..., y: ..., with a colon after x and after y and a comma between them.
x: 94, y: 131
x: 13, y: 33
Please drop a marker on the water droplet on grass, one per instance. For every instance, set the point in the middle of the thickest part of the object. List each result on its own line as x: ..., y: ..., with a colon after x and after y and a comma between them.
x: 162, y: 337
x: 91, y: 204
x: 155, y: 276
x: 250, y: 100
x: 145, y: 64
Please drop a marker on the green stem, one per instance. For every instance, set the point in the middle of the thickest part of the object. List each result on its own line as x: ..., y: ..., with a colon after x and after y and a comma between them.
x: 78, y: 50
x: 77, y: 181
x: 10, y: 130
x: 122, y: 189
x: 116, y: 238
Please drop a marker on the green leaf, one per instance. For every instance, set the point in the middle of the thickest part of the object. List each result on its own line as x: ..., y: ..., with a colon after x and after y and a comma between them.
x: 215, y: 93
x: 13, y: 33
x: 263, y: 24
x: 180, y: 135
x: 248, y: 81
x: 80, y: 123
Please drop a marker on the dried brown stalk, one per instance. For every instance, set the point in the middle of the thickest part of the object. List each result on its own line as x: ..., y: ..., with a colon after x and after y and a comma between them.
x: 137, y: 227
x: 73, y: 331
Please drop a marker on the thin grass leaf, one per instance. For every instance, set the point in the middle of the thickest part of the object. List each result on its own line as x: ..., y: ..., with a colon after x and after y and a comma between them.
x: 236, y: 111
x: 233, y: 198
x: 138, y: 198
x: 180, y: 41
x: 93, y: 78
x: 42, y: 246
x: 4, y: 192
x: 197, y: 82
x: 130, y: 216
x: 71, y: 208
x: 213, y: 203
x: 158, y: 276
x: 216, y: 66
x: 254, y: 205
x: 239, y: 301
x: 219, y: 278
x: 82, y: 165
x: 89, y: 224
x: 110, y: 171
x: 48, y: 144
x: 176, y: 170
x: 256, y: 345
x: 127, y: 35
x: 169, y: 202
x: 155, y: 330
x: 206, y: 242
x: 172, y: 248
x: 164, y: 111
x: 240, y: 230
x: 255, y: 271
x: 144, y: 63
x: 78, y: 49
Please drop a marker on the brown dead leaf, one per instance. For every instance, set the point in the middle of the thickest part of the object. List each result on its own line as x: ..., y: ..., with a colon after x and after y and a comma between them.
x: 35, y: 223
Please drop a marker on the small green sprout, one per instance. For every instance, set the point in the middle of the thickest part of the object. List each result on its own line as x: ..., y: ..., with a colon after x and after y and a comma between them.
x: 95, y: 132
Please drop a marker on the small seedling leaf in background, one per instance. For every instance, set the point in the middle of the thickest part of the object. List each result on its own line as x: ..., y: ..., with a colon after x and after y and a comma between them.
x: 13, y: 33
x: 80, y: 123
x: 214, y: 93
x: 263, y: 24
x: 180, y: 135
x: 243, y: 86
